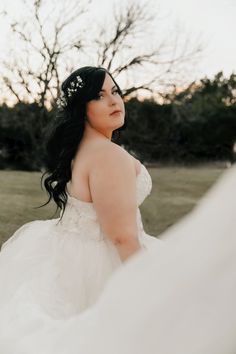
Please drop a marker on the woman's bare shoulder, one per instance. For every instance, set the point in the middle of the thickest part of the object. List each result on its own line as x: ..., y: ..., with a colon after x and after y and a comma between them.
x: 99, y: 151
x: 108, y: 148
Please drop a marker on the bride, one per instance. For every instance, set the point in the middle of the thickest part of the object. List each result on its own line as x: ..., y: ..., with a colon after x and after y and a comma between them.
x: 59, y: 267
x: 57, y: 295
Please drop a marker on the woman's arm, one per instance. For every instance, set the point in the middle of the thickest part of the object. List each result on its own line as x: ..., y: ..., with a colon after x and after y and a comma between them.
x: 112, y: 182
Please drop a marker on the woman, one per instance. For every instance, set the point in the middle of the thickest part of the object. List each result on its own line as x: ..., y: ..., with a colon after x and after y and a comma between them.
x: 58, y: 267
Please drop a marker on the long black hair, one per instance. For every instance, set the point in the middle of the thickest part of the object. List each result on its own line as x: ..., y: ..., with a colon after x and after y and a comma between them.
x: 66, y: 130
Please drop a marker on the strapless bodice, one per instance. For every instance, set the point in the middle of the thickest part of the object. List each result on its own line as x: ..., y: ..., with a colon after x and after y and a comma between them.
x: 80, y: 215
x: 143, y: 186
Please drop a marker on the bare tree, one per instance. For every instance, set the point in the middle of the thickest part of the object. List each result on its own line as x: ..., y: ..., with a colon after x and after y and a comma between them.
x: 118, y: 45
x: 32, y: 71
x: 129, y: 45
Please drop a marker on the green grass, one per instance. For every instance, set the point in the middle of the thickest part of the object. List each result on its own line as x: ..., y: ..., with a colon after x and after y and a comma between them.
x: 175, y: 192
x: 20, y: 194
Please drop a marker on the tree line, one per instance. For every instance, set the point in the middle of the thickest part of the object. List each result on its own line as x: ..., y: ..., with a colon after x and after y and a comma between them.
x: 197, y: 124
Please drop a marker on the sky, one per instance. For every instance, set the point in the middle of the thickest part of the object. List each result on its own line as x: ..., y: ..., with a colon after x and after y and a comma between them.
x: 215, y: 21
x: 212, y: 21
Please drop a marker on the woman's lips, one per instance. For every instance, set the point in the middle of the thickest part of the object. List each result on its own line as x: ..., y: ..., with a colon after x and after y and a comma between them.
x: 115, y: 112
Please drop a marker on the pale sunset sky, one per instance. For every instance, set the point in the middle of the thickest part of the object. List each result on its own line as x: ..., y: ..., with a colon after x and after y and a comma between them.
x: 212, y: 20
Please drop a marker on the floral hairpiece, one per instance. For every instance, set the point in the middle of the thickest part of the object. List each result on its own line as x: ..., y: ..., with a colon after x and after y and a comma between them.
x: 70, y: 90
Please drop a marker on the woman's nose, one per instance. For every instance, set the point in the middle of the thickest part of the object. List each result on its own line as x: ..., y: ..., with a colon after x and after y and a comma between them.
x: 112, y: 100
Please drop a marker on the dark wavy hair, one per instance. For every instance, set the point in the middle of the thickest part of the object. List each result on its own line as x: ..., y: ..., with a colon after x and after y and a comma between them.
x: 67, y: 128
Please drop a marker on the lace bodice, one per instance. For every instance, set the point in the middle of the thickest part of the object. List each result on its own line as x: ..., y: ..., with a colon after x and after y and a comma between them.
x: 80, y: 216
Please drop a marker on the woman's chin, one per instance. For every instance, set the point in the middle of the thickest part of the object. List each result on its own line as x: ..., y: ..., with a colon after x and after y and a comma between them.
x: 119, y: 125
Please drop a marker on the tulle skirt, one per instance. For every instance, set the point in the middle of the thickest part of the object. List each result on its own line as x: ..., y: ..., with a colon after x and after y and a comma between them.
x: 49, y: 275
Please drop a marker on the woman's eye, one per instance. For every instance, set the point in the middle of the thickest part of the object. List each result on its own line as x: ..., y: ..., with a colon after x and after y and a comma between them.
x: 101, y: 95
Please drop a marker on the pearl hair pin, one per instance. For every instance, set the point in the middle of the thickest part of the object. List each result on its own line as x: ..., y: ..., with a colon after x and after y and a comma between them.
x: 70, y: 91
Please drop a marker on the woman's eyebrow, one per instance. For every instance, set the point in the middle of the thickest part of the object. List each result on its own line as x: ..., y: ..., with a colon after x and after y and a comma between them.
x: 111, y: 88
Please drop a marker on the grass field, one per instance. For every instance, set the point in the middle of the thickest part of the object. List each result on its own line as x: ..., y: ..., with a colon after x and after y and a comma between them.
x: 174, y: 193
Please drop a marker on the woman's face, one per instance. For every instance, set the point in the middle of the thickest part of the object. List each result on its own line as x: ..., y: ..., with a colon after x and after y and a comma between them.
x: 107, y: 112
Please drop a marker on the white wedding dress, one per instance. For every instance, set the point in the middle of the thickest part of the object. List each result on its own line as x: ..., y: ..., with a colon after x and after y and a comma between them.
x: 57, y: 269
x: 176, y: 298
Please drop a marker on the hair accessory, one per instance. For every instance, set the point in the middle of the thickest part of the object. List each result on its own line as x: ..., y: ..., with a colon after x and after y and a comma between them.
x: 70, y: 90
x: 62, y: 101
x: 74, y: 86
